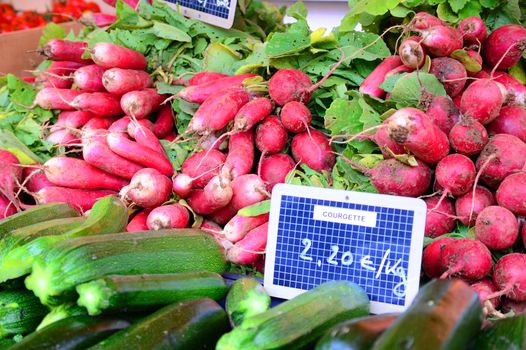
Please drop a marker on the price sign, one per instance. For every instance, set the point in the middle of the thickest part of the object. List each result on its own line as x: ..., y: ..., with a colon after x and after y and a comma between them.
x: 217, y: 12
x: 317, y: 235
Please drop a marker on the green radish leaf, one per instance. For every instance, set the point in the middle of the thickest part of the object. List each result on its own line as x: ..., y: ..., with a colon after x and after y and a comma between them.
x: 408, y: 89
x: 365, y: 46
x: 295, y: 40
x: 467, y: 61
x: 472, y: 8
x: 176, y: 153
x: 457, y: 5
x: 389, y: 83
x: 518, y: 72
x: 400, y: 11
x: 490, y: 4
x: 165, y: 31
x: 51, y: 31
x: 220, y: 58
x: 259, y: 208
x: 445, y: 13
x: 297, y: 11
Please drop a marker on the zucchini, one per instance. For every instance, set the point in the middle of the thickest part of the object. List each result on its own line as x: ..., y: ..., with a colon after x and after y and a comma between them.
x: 79, y: 260
x: 299, y: 322
x: 35, y: 215
x: 246, y: 298
x: 504, y: 334
x: 72, y: 333
x: 60, y: 312
x: 20, y: 313
x: 6, y: 343
x: 357, y: 334
x: 129, y: 291
x: 446, y: 314
x: 108, y: 215
x: 189, y: 325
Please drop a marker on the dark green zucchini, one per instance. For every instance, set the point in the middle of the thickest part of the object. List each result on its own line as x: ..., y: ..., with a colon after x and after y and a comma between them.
x: 445, y: 315
x: 72, y: 333
x: 357, y: 334
x: 246, y: 298
x: 60, y: 312
x: 20, y: 313
x: 504, y: 334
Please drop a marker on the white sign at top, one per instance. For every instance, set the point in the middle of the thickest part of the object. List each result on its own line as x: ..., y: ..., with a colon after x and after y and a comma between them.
x: 220, y: 13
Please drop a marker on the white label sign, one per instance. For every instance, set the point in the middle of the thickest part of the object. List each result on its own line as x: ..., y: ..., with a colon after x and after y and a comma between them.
x: 344, y: 216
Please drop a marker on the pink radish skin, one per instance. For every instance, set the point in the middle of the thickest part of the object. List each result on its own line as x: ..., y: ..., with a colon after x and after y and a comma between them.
x: 456, y: 174
x: 275, y: 168
x: 516, y: 91
x: 313, y: 149
x: 120, y: 81
x: 76, y: 173
x: 201, y: 204
x: 249, y: 249
x: 121, y: 125
x: 504, y: 154
x: 467, y: 258
x: 148, y: 188
x: 451, y: 74
x: 473, y: 30
x: 441, y: 220
x: 76, y: 119
x: 164, y: 122
x: 512, y: 193
x: 393, y: 177
x: 168, y: 216
x: 497, y: 227
x: 211, y: 141
x: 475, y: 55
x: 6, y: 208
x: 288, y: 85
x: 468, y: 137
x: 172, y: 135
x: 89, y: 78
x: 511, y: 120
x: 238, y: 227
x: 271, y: 135
x: 216, y: 195
x: 484, y: 288
x: 482, y: 101
x: 37, y: 180
x: 58, y: 74
x: 387, y: 145
x: 138, y: 223
x: 108, y: 55
x: 98, y: 123
x: 208, y: 162
x: 182, y: 185
x: 252, y: 113
x: 443, y: 112
x: 96, y: 19
x: 509, y: 277
x: 510, y: 37
x: 204, y: 77
x: 411, y: 52
x: 414, y: 130
x: 432, y: 255
x: 200, y: 93
x: 371, y: 85
x: 51, y: 98
x: 64, y: 50
x: 140, y: 154
x: 146, y: 137
x: 101, y: 104
x: 398, y: 70
x: 62, y: 137
x: 10, y: 174
x: 441, y: 40
x: 80, y: 199
x: 140, y: 104
x: 248, y: 189
x: 240, y: 157
x: 424, y: 20
x: 296, y: 117
x: 223, y: 215
x: 464, y: 205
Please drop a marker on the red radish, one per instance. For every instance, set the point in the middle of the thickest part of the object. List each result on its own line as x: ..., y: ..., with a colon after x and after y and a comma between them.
x: 10, y: 176
x: 289, y: 85
x: 313, y: 149
x: 119, y: 81
x: 482, y: 101
x: 240, y: 158
x: 432, y: 255
x: 63, y: 68
x: 271, y: 136
x: 211, y: 227
x: 296, y: 117
x: 467, y: 258
x: 371, y: 85
x: 101, y: 104
x: 398, y: 70
x: 6, y: 208
x: 249, y: 249
x: 164, y: 122
x: 58, y: 74
x: 76, y: 173
x: 200, y: 93
x: 275, y: 168
x: 211, y: 140
x: 80, y: 199
x: 414, y: 130
x: 223, y: 215
x: 252, y: 113
x: 108, y: 55
x: 508, y: 276
x: 120, y: 125
x: 451, y: 74
x: 456, y: 100
x: 441, y: 40
x: 200, y: 78
x: 65, y: 50
x: 443, y: 112
x: 507, y: 305
x: 182, y: 185
x: 468, y: 137
x: 51, y: 98
x: 248, y: 189
x: 473, y: 30
x: 140, y: 104
x: 172, y: 135
x: 168, y: 216
x: 216, y: 195
x: 497, y: 227
x: 146, y: 137
x: 138, y: 223
x: 99, y: 123
x: 516, y: 91
x: 466, y: 205
x: 148, y: 188
x: 502, y: 155
x: 203, y: 166
x: 505, y: 44
x: 137, y: 153
x: 411, y: 52
x: 88, y: 78
x: 62, y: 137
x: 512, y: 193
x: 484, y: 288
x: 511, y: 120
x: 441, y: 220
x: 456, y: 174
x: 475, y: 55
x: 97, y: 19
x: 35, y: 180
x: 75, y: 119
x: 238, y: 227
x: 424, y: 20
x: 393, y: 177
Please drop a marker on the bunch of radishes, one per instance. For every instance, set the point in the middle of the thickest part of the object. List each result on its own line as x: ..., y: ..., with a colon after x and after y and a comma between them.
x: 476, y: 133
